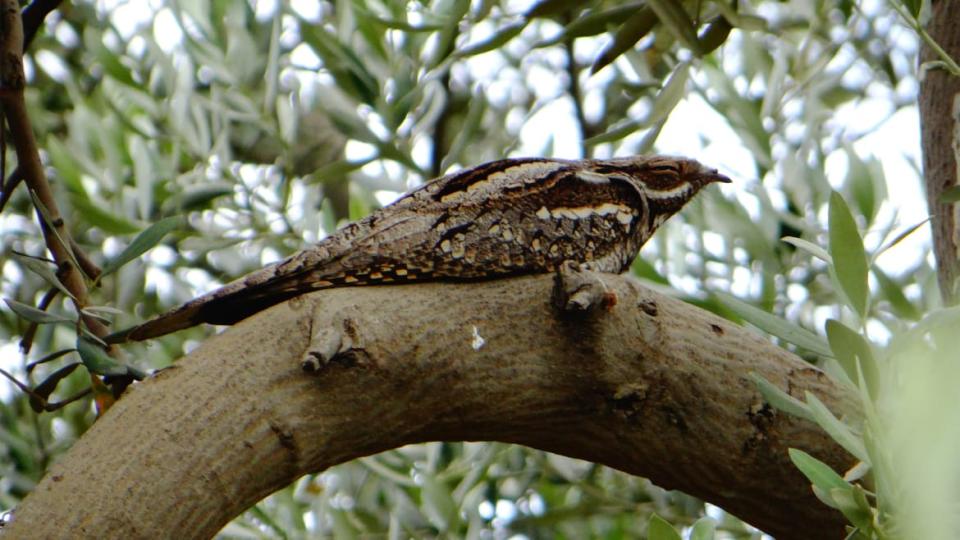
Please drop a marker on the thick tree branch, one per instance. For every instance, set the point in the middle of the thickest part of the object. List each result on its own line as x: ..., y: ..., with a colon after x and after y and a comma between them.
x: 650, y: 385
x: 940, y: 133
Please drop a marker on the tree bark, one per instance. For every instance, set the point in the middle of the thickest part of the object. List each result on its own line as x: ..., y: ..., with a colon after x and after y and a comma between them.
x: 651, y: 386
x: 940, y: 134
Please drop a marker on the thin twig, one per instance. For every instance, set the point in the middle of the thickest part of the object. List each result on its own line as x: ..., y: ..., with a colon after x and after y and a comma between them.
x: 946, y: 60
x: 23, y: 388
x: 12, y: 83
x: 576, y: 96
x: 33, y: 17
x: 439, y: 150
x: 41, y: 442
x: 3, y: 156
x: 14, y: 180
x: 63, y: 403
x: 40, y: 400
x: 13, y: 108
x: 90, y: 268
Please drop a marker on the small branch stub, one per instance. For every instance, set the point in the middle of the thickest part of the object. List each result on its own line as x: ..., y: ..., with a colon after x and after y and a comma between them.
x: 332, y: 343
x: 580, y: 291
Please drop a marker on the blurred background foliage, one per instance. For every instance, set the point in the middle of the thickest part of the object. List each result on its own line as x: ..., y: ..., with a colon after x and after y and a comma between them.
x: 265, y: 124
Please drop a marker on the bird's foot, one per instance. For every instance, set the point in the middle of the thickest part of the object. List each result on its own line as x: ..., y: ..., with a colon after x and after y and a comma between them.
x: 578, y: 290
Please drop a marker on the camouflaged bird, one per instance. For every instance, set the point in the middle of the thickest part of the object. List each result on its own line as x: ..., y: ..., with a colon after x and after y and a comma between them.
x: 504, y: 218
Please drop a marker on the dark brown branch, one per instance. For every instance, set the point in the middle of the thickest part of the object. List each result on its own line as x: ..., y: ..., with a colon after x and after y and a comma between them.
x: 33, y: 17
x: 89, y: 268
x: 573, y: 89
x: 652, y: 386
x: 40, y: 403
x: 939, y: 121
x: 12, y: 83
x: 14, y: 180
x: 439, y: 149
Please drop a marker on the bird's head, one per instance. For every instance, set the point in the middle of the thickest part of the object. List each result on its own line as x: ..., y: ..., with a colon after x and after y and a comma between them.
x: 666, y: 182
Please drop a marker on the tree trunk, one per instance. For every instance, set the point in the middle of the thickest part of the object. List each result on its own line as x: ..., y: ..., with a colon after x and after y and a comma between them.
x: 940, y: 133
x: 651, y: 386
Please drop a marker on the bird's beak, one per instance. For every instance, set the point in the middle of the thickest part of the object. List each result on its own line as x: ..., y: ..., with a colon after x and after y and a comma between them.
x: 715, y: 176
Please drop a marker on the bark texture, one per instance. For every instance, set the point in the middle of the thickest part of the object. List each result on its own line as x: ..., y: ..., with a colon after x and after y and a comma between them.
x: 939, y: 120
x: 651, y: 386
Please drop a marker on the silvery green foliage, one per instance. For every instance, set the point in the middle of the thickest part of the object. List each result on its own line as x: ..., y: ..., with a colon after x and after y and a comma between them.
x: 264, y: 125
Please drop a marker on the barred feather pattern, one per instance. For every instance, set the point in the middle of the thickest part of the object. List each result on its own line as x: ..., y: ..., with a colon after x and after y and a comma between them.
x: 504, y: 218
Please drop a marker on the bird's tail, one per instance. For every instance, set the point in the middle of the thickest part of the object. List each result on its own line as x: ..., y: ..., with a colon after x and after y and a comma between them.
x: 229, y: 304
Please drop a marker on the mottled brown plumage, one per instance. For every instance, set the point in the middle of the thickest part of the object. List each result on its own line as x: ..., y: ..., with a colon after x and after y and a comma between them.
x: 503, y: 218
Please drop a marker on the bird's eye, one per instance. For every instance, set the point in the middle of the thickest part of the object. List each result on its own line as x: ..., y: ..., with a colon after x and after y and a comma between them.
x: 665, y: 169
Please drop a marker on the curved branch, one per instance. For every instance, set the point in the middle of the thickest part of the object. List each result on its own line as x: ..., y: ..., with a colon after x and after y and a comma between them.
x: 651, y: 386
x: 33, y: 16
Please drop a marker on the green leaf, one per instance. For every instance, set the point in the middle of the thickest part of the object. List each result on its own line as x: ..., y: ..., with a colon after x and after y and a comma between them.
x: 144, y: 172
x: 897, y: 239
x: 397, y: 24
x: 837, y: 430
x: 865, y: 183
x: 493, y: 42
x: 43, y: 270
x: 144, y: 241
x: 660, y: 529
x: 96, y: 359
x: 471, y: 123
x: 96, y: 215
x: 438, y: 503
x: 781, y: 400
x: 66, y: 165
x: 48, y: 385
x: 893, y: 292
x: 545, y: 8
x: 112, y: 64
x: 349, y: 71
x: 671, y: 94
x: 819, y: 473
x: 704, y: 529
x: 776, y: 326
x: 197, y: 196
x: 48, y: 221
x: 615, y: 133
x: 753, y: 23
x: 853, y: 352
x: 809, y: 247
x: 715, y: 35
x: 48, y: 358
x: 338, y: 170
x: 349, y: 124
x: 849, y: 258
x: 371, y: 29
x: 913, y: 6
x: 446, y: 38
x: 35, y: 315
x: 677, y: 20
x: 744, y: 115
x: 663, y: 104
x: 633, y: 29
x: 593, y: 23
x: 849, y: 501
